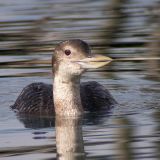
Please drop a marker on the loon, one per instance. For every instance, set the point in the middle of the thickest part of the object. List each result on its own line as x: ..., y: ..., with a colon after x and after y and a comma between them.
x: 67, y: 96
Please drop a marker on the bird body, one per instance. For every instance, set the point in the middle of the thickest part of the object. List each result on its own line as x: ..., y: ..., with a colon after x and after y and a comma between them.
x: 37, y: 98
x: 67, y: 96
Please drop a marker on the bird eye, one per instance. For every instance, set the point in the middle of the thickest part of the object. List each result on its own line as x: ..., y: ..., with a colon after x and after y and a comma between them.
x: 67, y: 52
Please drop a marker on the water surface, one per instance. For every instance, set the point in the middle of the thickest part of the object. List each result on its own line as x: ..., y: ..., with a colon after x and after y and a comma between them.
x: 30, y: 29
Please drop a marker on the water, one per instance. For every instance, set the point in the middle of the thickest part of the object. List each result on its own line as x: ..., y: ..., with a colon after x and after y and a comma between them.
x: 29, y: 31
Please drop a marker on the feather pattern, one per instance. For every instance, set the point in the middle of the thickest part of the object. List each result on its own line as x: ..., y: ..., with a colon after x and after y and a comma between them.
x: 37, y: 98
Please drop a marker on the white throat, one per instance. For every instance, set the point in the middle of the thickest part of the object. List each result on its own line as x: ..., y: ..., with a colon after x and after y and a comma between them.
x: 66, y: 93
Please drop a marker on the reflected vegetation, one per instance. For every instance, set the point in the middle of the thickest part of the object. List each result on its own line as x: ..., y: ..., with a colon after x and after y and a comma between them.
x: 125, y: 139
x: 121, y: 31
x: 126, y: 30
x: 154, y: 44
x: 156, y: 133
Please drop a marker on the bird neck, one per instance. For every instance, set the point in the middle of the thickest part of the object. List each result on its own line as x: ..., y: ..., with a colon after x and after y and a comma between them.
x: 66, y: 91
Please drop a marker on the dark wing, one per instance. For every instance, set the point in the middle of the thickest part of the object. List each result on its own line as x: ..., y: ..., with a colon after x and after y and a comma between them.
x: 95, y: 97
x: 35, y: 98
x: 38, y: 98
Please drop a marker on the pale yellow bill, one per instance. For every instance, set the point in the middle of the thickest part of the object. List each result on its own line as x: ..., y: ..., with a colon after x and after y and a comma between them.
x: 94, y: 62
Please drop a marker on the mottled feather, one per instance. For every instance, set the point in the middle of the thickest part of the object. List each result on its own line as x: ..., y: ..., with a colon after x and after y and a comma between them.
x: 37, y: 98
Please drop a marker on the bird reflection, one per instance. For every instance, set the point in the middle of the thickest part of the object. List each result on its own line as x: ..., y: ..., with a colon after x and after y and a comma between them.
x: 68, y: 130
x: 69, y: 139
x: 38, y: 121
